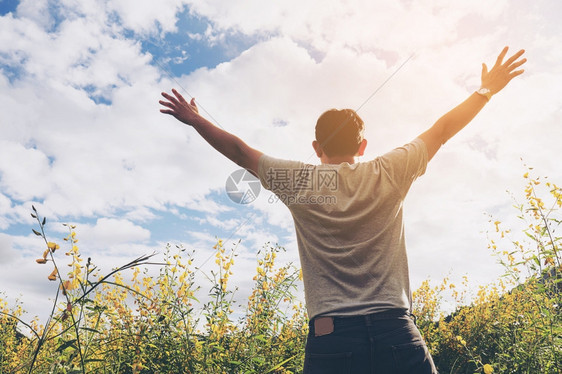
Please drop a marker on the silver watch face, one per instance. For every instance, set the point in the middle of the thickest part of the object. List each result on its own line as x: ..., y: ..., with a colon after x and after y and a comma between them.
x: 484, y: 91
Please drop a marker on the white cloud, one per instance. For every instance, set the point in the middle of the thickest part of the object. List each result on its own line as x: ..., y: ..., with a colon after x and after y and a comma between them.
x: 6, y: 251
x: 142, y: 17
x: 113, y: 231
x: 23, y: 171
x: 5, y: 206
x: 74, y: 158
x: 38, y: 11
x: 401, y: 26
x: 148, y: 16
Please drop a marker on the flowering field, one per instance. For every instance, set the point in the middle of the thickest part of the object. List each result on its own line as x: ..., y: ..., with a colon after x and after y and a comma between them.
x: 129, y: 322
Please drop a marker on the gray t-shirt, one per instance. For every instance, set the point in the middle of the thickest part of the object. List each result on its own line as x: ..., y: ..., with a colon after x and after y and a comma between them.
x: 350, y: 233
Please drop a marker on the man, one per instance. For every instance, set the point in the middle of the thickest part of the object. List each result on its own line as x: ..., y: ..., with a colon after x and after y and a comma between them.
x: 348, y: 221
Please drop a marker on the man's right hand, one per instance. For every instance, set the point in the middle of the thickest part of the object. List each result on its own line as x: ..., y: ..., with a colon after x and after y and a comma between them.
x: 500, y: 75
x: 457, y: 118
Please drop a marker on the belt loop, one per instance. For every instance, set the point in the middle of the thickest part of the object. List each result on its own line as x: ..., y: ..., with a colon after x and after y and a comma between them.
x: 413, y: 316
x: 368, y: 321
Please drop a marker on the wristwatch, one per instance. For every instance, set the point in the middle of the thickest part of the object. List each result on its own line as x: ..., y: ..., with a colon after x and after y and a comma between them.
x: 485, y: 92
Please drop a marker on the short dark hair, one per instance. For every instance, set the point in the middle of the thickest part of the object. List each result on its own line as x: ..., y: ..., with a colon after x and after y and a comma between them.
x: 339, y: 132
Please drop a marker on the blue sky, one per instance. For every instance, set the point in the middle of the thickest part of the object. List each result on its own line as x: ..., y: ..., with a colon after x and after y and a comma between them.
x: 81, y: 137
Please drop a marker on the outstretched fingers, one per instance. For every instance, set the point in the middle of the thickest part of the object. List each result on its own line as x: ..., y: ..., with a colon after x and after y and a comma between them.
x: 496, y: 78
x: 166, y: 103
x: 179, y: 96
x: 515, y: 73
x: 175, y: 105
x: 501, y: 56
x: 516, y: 64
x: 168, y: 111
x: 194, y: 105
x: 170, y: 98
x: 512, y: 61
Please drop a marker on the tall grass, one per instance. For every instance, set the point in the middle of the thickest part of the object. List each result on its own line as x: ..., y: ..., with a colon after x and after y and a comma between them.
x: 513, y: 325
x: 128, y: 321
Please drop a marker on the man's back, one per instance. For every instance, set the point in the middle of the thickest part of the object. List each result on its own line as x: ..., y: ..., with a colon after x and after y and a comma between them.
x: 348, y: 220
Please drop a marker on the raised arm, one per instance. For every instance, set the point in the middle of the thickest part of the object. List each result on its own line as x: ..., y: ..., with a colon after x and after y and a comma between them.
x: 492, y: 82
x: 224, y: 142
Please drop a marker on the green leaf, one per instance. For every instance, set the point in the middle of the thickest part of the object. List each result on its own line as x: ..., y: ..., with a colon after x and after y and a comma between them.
x: 280, y: 364
x: 536, y: 259
x: 531, y: 236
x: 67, y: 344
x: 90, y: 330
x: 261, y: 338
x: 36, y: 232
x: 44, y: 221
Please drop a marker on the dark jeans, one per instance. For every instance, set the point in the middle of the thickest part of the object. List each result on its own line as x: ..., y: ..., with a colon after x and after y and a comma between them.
x: 381, y: 343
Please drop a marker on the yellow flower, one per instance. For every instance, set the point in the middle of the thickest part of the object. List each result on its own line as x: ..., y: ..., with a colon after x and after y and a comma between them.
x: 52, y: 246
x: 41, y: 261
x: 461, y: 340
x: 137, y: 367
x: 68, y: 285
x: 53, y: 275
x: 488, y: 369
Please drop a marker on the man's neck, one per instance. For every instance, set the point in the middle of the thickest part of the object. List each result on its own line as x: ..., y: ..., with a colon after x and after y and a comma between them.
x: 337, y: 159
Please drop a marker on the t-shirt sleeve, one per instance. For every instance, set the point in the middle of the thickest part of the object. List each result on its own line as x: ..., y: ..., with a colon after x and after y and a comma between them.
x: 404, y: 164
x: 277, y: 175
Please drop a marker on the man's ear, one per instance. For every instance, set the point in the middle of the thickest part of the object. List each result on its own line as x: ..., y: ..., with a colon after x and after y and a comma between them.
x: 317, y: 148
x: 362, y: 147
